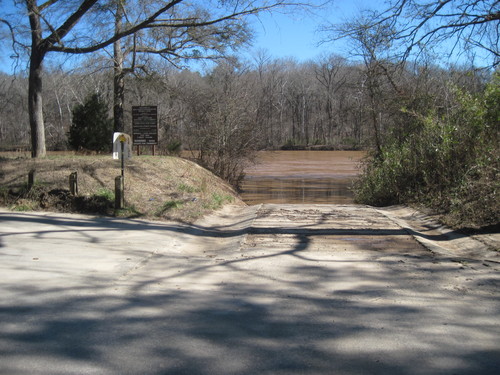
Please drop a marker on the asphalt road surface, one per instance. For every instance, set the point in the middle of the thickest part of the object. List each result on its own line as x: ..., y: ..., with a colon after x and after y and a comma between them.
x: 268, y: 289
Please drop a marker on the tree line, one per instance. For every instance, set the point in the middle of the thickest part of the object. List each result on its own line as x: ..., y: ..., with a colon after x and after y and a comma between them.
x: 238, y: 107
x: 269, y: 103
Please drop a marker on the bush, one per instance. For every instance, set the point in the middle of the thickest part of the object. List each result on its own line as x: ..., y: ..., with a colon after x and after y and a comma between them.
x: 174, y: 148
x: 91, y: 129
x: 451, y: 163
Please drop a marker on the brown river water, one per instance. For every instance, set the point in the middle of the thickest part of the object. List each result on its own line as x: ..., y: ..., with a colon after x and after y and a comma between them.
x: 302, y: 177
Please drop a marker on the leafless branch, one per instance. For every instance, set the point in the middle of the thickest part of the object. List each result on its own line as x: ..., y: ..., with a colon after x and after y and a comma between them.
x: 12, y: 35
x: 419, y: 24
x: 152, y: 22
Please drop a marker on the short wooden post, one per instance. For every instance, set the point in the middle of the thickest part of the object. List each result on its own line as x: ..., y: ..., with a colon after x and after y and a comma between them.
x: 119, y: 195
x: 31, y: 178
x: 73, y: 183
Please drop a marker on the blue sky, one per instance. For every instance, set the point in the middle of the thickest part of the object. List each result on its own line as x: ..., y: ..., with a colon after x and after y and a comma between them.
x: 282, y: 35
x: 296, y: 35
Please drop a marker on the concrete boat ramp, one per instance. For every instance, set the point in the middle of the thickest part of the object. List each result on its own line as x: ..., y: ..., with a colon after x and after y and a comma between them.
x: 268, y: 289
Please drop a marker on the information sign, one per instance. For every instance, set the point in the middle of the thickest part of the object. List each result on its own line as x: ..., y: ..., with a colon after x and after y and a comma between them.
x: 145, y: 125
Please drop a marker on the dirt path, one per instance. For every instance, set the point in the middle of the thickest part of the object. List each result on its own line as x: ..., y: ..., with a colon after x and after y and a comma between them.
x: 269, y: 289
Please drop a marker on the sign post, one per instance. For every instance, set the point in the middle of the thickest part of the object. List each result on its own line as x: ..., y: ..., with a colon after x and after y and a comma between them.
x: 121, y: 150
x: 122, y: 140
x: 145, y: 126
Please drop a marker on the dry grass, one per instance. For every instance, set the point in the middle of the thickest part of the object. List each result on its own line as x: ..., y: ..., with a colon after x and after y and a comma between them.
x: 160, y: 187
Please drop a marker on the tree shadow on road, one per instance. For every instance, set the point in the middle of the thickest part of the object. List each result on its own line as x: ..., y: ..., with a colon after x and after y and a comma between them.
x: 305, y: 312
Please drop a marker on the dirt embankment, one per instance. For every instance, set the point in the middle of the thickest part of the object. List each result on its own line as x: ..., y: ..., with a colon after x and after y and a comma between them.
x: 155, y: 187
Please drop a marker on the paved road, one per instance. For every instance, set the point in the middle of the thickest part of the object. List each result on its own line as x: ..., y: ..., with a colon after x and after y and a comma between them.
x: 272, y: 289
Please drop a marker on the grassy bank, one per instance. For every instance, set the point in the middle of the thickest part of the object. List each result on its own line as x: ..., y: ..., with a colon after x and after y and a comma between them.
x: 155, y: 187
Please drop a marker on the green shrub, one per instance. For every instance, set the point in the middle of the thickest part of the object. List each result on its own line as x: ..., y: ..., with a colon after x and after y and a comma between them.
x: 451, y: 162
x: 174, y: 148
x: 91, y: 129
x: 106, y: 193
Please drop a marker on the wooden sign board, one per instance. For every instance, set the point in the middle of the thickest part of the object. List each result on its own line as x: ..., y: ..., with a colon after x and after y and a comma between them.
x: 145, y: 125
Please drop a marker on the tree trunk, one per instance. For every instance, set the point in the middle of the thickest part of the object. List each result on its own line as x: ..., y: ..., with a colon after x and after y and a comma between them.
x: 35, y: 105
x: 376, y: 125
x: 35, y: 108
x: 118, y: 75
x: 118, y: 97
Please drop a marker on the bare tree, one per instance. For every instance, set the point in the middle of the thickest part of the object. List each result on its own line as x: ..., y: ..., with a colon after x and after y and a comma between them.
x: 222, y: 110
x: 197, y: 37
x: 67, y: 27
x: 464, y: 25
x: 329, y: 73
x: 454, y: 27
x: 374, y: 45
x: 13, y: 112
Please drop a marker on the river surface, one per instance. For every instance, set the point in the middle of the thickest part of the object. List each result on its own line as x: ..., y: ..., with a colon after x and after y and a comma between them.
x: 302, y: 177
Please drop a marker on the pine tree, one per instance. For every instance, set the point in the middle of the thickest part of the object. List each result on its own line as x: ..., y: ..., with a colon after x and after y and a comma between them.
x: 91, y: 129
